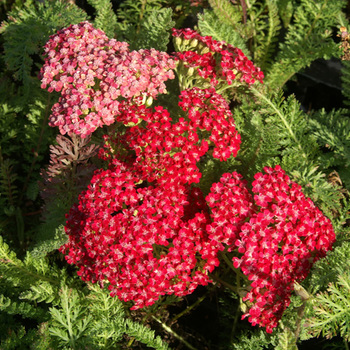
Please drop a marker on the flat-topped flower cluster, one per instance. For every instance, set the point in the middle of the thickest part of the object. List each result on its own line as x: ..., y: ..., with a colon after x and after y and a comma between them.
x: 143, y: 227
x: 95, y: 75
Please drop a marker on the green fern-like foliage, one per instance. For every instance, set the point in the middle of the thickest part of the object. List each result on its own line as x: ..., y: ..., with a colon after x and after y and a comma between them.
x: 26, y: 286
x: 24, y: 132
x: 24, y: 106
x: 230, y: 14
x: 277, y: 131
x: 67, y: 315
x: 95, y: 320
x: 209, y: 24
x: 297, y: 146
x: 287, y: 340
x: 69, y: 322
x: 332, y: 310
x: 51, y: 234
x: 29, y: 273
x: 145, y: 24
x: 257, y: 339
x: 266, y: 32
x: 254, y: 28
x: 131, y: 12
x: 333, y: 133
x: 154, y: 31
x: 327, y: 270
x: 315, y: 184
x: 308, y: 37
x: 285, y: 10
x: 105, y: 18
x: 22, y: 339
x: 324, y: 314
x: 145, y: 335
x: 131, y: 15
x: 107, y: 329
x: 8, y: 188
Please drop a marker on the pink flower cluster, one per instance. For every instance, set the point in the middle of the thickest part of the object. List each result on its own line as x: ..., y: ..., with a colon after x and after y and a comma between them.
x: 137, y: 239
x: 280, y: 236
x: 94, y: 73
x: 215, y: 60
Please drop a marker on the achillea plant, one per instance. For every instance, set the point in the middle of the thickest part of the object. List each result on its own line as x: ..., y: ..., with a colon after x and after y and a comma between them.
x: 179, y: 182
x: 130, y: 230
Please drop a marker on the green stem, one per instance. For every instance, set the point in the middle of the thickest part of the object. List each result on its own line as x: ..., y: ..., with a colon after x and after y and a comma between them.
x: 346, y: 345
x: 143, y: 5
x: 189, y: 308
x: 224, y: 283
x: 305, y: 296
x: 169, y: 330
x: 230, y: 265
x: 228, y: 262
x: 130, y: 342
x: 235, y: 321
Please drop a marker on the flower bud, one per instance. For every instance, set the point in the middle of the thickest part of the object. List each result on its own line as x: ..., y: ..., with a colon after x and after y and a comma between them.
x: 194, y: 43
x: 178, y: 42
x: 149, y: 101
x: 190, y: 71
x: 204, y: 50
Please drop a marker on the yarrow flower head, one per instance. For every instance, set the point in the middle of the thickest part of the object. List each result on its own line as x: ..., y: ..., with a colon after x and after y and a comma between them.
x: 138, y: 240
x: 214, y: 60
x: 285, y: 235
x: 93, y: 74
x: 165, y: 151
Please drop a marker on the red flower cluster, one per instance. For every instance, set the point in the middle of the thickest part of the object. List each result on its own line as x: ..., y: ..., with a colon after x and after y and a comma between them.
x: 136, y: 239
x: 215, y: 60
x: 209, y: 112
x: 169, y: 152
x: 284, y: 236
x: 93, y: 73
x: 141, y: 227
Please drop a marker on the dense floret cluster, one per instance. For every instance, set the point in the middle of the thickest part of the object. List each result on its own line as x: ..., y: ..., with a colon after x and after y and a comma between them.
x: 165, y: 151
x: 93, y: 73
x: 231, y: 205
x: 282, y: 239
x: 215, y: 60
x: 209, y: 112
x: 136, y: 239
